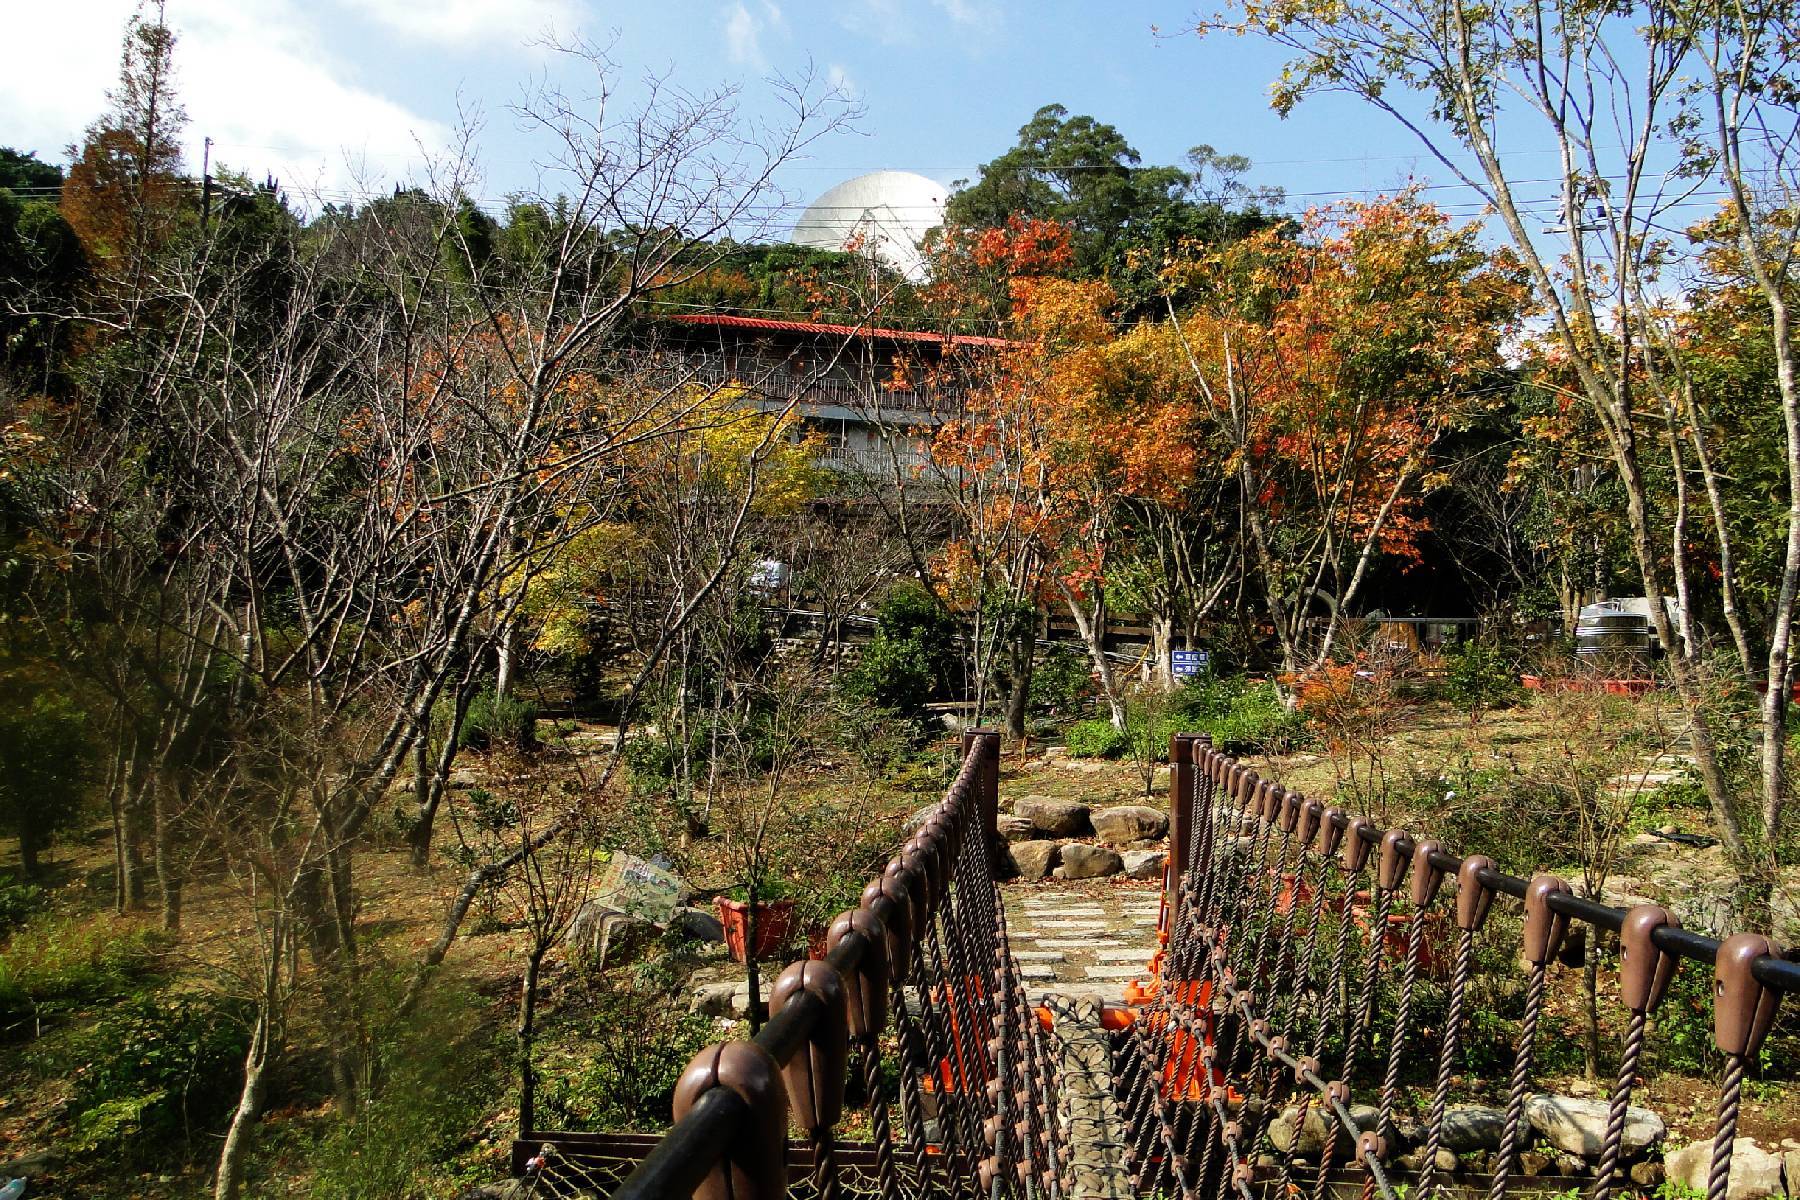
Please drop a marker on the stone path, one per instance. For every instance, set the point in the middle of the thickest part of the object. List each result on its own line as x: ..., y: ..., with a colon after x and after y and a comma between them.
x: 1085, y: 939
x: 1089, y: 1111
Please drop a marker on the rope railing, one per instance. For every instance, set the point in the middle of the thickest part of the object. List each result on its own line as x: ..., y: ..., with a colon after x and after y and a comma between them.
x: 1277, y: 987
x: 920, y: 974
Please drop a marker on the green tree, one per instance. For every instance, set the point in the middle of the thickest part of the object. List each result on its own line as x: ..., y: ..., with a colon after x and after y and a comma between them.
x: 1124, y: 215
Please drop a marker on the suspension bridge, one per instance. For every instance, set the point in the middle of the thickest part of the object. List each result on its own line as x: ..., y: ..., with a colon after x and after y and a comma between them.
x: 1310, y: 971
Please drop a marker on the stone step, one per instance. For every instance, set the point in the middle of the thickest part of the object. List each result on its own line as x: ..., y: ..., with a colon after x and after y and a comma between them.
x: 1069, y: 945
x: 1041, y: 914
x: 1025, y: 956
x: 1089, y: 926
x: 1036, y: 971
x: 1116, y: 971
x: 1142, y: 953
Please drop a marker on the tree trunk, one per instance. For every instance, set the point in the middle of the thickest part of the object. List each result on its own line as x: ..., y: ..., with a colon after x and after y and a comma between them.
x: 527, y: 1031
x: 238, y: 1136
x: 28, y: 849
x: 168, y: 874
x: 1093, y: 635
x: 507, y: 661
x: 1162, y: 646
x: 1019, y: 699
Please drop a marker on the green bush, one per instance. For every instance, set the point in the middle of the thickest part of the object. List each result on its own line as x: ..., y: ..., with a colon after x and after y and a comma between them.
x: 1478, y: 675
x: 495, y: 722
x: 1096, y: 739
x: 17, y: 902
x: 1062, y: 680
x: 158, y: 1068
x: 912, y: 657
x: 53, y: 966
x: 437, y: 1087
x: 1240, y: 714
x: 633, y: 1046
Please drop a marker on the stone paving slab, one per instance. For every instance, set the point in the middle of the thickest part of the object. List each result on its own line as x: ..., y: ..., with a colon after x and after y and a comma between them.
x: 1119, y: 953
x: 1049, y: 956
x: 1117, y: 971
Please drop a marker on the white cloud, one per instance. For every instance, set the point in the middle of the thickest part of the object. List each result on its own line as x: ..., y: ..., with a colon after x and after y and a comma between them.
x: 255, y: 75
x: 743, y: 37
x: 842, y: 81
x: 908, y: 22
x: 468, y: 24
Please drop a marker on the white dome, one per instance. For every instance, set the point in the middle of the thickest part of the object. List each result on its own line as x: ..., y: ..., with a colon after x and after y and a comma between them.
x: 891, y: 210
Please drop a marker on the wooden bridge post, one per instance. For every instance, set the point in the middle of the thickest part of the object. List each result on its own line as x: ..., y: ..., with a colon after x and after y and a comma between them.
x: 987, y: 786
x: 1181, y: 812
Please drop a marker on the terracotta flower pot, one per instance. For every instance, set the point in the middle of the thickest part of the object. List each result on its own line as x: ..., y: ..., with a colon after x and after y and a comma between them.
x: 774, y: 919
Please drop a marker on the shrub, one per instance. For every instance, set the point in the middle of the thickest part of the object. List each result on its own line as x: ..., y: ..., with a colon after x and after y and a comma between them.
x: 633, y: 1049
x: 437, y: 1087
x: 1240, y: 714
x: 156, y: 1068
x: 911, y: 658
x: 53, y: 966
x: 43, y: 765
x: 499, y: 722
x: 1478, y: 675
x: 17, y: 902
x: 1096, y: 739
x: 1062, y: 681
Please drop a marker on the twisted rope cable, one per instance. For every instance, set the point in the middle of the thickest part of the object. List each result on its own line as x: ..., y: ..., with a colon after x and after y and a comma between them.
x: 1614, y: 1143
x: 1521, y: 1078
x: 1440, y: 1096
x: 1718, y: 1179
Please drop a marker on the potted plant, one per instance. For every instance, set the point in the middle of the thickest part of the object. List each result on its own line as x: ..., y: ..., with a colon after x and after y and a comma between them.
x: 757, y: 917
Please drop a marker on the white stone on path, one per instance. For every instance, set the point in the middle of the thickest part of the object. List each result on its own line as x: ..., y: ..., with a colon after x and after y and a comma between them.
x: 1051, y: 956
x: 1125, y: 952
x: 1093, y: 926
x: 1116, y: 971
x: 1036, y: 971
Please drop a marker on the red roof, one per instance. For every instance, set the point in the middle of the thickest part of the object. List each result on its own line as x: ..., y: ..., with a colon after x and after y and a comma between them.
x: 726, y: 321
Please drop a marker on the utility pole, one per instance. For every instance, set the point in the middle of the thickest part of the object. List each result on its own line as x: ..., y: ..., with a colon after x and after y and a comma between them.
x: 205, y: 183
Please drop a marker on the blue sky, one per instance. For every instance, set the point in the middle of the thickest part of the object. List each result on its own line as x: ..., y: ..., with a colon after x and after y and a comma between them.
x: 346, y: 96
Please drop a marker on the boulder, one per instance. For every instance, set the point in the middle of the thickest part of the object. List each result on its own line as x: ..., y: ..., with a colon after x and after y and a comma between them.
x: 598, y: 935
x: 1144, y: 864
x: 1472, y: 1127
x: 1034, y: 859
x: 1129, y: 823
x: 1792, y: 1169
x: 1082, y: 861
x: 698, y: 925
x: 1015, y: 829
x: 1311, y: 1135
x: 1577, y: 1126
x: 1755, y: 1172
x: 1648, y: 1173
x: 725, y: 999
x: 31, y: 1165
x: 1057, y: 818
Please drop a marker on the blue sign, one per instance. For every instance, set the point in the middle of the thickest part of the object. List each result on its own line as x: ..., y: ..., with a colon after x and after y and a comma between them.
x: 1185, y: 664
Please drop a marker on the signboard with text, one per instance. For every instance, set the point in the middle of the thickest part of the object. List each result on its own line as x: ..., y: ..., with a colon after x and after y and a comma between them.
x: 1186, y: 664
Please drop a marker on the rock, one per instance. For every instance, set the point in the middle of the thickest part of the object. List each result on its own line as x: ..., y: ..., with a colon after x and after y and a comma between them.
x: 1015, y: 829
x: 1579, y: 1126
x: 1648, y: 1173
x: 511, y: 1189
x: 1469, y: 1128
x: 1535, y: 1162
x: 725, y: 999
x: 1058, y: 818
x: 1754, y: 1171
x: 1034, y: 859
x: 1144, y: 864
x: 1791, y: 1168
x: 1129, y: 823
x: 698, y: 925
x: 598, y: 934
x: 30, y: 1166
x: 1312, y: 1132
x: 1446, y: 1161
x: 1082, y: 861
